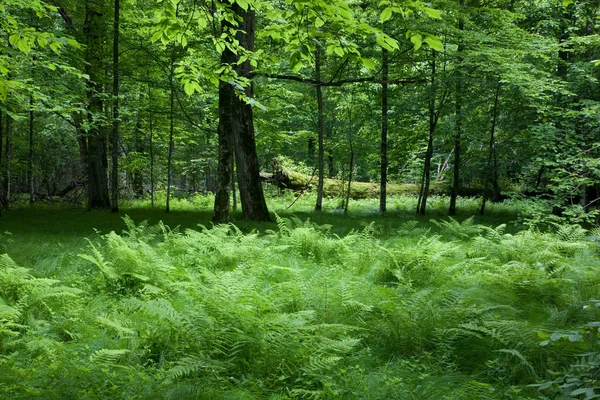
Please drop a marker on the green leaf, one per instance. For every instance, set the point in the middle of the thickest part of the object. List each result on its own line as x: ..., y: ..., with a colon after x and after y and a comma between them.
x: 243, y: 4
x: 567, y: 2
x: 55, y: 46
x: 189, y: 88
x: 386, y: 14
x: 156, y: 36
x: 434, y: 42
x: 13, y: 39
x: 297, y: 67
x: 433, y: 13
x: 367, y: 63
x: 339, y: 51
x: 24, y: 46
x: 319, y: 22
x: 417, y: 41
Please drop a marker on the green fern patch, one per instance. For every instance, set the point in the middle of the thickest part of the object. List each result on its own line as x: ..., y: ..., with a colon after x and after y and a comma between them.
x: 451, y: 310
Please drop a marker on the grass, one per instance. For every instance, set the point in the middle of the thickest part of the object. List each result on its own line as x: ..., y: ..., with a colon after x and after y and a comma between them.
x: 363, y: 306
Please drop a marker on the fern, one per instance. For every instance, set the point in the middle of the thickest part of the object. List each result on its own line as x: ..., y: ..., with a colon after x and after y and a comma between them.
x: 108, y: 356
x: 192, y: 365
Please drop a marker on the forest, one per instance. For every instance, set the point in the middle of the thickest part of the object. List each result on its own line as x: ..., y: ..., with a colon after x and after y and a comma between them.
x: 299, y: 199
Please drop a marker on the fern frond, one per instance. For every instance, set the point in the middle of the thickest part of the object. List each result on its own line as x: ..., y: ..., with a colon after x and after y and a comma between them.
x: 108, y: 356
x: 192, y: 365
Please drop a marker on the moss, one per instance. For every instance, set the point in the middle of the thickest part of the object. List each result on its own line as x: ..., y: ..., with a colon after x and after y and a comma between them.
x: 359, y: 190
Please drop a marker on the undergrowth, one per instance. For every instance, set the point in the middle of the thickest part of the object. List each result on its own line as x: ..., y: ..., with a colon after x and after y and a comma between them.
x: 449, y: 310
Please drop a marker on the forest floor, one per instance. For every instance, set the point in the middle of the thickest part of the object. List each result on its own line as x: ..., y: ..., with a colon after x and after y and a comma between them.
x: 327, y: 305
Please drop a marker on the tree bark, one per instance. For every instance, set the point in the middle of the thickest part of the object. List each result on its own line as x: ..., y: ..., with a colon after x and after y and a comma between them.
x: 320, y: 128
x: 8, y: 161
x: 233, y: 194
x: 171, y: 128
x: 226, y: 104
x: 30, y: 165
x: 384, y: 130
x: 115, y: 127
x: 350, y: 175
x: 2, y: 198
x: 426, y: 181
x: 254, y: 206
x: 458, y: 114
x: 492, y: 170
x: 96, y: 152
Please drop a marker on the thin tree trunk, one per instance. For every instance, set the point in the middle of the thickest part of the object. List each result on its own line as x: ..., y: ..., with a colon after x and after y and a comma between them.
x: 384, y: 131
x: 350, y: 174
x: 425, y: 184
x: 458, y: 113
x: 8, y: 161
x: 491, y: 169
x: 2, y: 197
x: 151, y: 128
x: 30, y: 166
x: 115, y: 131
x: 310, y: 151
x: 320, y: 128
x: 171, y: 128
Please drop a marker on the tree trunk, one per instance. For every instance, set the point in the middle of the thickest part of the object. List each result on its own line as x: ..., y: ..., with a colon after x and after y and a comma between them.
x: 492, y: 169
x: 254, y: 206
x: 310, y: 151
x: 233, y: 194
x: 458, y: 113
x: 384, y: 131
x: 115, y: 131
x: 151, y: 128
x: 320, y: 128
x: 30, y: 165
x: 96, y: 157
x: 8, y: 161
x: 226, y: 104
x: 350, y: 173
x: 2, y: 202
x: 426, y: 181
x: 171, y: 128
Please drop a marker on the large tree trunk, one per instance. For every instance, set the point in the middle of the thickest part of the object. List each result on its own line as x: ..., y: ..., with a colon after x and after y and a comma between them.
x: 384, y: 131
x: 458, y: 114
x: 96, y: 151
x: 226, y: 103
x: 115, y: 131
x: 320, y: 128
x: 254, y: 206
